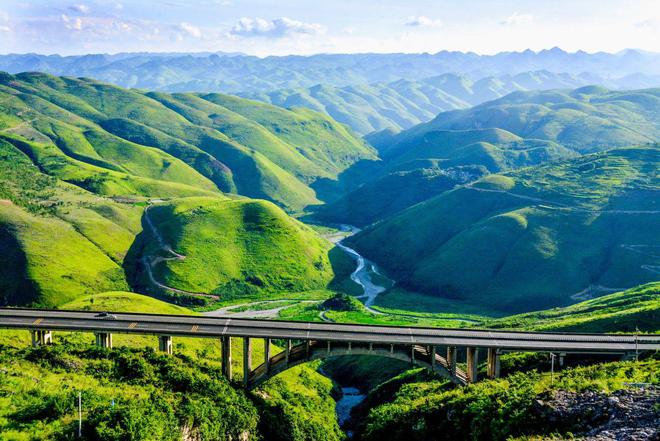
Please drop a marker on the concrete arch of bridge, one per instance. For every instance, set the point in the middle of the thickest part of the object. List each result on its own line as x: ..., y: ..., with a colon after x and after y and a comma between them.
x: 318, y: 350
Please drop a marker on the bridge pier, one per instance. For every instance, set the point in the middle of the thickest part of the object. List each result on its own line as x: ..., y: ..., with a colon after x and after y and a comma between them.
x: 308, y: 346
x: 472, y: 361
x: 247, y: 359
x: 412, y: 355
x: 267, y: 354
x: 493, y: 363
x: 562, y: 355
x: 103, y: 339
x: 165, y: 343
x: 287, y: 351
x: 433, y: 351
x: 226, y: 356
x: 41, y: 337
x: 451, y: 359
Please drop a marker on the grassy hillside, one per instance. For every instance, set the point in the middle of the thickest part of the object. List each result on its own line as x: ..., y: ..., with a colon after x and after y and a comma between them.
x: 586, y: 119
x: 518, y: 130
x: 234, y: 247
x: 404, y: 103
x: 627, y: 311
x: 525, y: 405
x: 133, y: 392
x: 121, y: 142
x: 537, y: 238
x: 58, y: 241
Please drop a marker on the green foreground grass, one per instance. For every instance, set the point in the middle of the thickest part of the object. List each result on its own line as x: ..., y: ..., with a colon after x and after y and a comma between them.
x: 155, y: 396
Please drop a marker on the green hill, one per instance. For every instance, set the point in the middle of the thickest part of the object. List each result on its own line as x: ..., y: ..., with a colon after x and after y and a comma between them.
x: 73, y: 197
x: 403, y: 103
x: 627, y: 311
x: 233, y: 247
x: 58, y: 241
x: 518, y: 130
x: 121, y: 142
x: 585, y: 119
x: 531, y: 239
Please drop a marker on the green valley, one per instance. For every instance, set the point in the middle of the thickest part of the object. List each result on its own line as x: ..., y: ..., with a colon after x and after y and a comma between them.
x: 519, y: 130
x: 583, y: 225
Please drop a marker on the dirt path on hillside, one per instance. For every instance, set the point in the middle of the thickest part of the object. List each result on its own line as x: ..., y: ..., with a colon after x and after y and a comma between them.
x: 558, y: 205
x: 150, y: 261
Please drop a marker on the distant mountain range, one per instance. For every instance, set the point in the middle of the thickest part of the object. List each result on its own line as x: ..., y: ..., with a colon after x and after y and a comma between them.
x: 233, y: 73
x: 404, y: 103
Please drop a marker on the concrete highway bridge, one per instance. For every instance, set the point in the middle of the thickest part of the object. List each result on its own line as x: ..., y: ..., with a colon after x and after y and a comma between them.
x: 432, y: 348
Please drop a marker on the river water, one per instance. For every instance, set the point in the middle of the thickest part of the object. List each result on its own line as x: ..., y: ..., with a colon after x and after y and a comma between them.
x: 351, y: 398
x: 362, y: 273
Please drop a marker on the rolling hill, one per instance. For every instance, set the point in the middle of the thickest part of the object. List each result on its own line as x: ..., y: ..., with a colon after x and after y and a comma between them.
x: 121, y: 142
x: 636, y: 309
x: 519, y: 130
x: 404, y: 103
x: 80, y: 161
x: 232, y: 247
x: 531, y: 239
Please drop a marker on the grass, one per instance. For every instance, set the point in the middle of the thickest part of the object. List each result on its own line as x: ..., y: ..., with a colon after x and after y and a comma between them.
x: 414, y: 406
x: 475, y: 246
x: 627, y: 311
x: 119, y: 141
x: 238, y: 247
x: 148, y: 388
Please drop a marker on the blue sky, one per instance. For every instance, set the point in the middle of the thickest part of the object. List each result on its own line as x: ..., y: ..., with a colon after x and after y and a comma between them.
x: 270, y: 27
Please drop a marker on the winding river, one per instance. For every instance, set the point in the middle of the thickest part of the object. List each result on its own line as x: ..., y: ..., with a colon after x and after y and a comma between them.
x: 365, y: 268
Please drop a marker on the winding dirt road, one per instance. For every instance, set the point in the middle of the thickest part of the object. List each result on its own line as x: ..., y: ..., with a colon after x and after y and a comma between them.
x: 150, y: 261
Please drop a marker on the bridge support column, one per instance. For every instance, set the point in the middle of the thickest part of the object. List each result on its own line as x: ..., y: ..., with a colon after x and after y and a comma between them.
x: 226, y: 357
x: 267, y: 354
x: 412, y: 355
x: 287, y: 351
x: 561, y: 359
x: 247, y: 359
x: 308, y: 349
x: 165, y: 343
x: 451, y: 359
x: 472, y: 360
x: 328, y: 349
x: 433, y: 351
x: 103, y: 339
x: 41, y: 337
x: 493, y: 363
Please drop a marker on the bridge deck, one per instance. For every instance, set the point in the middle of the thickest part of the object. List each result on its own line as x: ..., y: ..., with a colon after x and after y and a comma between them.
x: 194, y: 326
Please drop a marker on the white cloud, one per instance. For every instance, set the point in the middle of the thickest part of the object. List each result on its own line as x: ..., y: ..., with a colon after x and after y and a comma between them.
x: 423, y: 22
x: 75, y: 24
x: 648, y: 24
x: 279, y: 27
x: 4, y: 28
x: 82, y: 9
x: 516, y: 19
x: 191, y: 30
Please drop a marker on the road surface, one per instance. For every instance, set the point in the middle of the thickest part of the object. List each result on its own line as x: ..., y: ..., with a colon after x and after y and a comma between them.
x: 192, y: 326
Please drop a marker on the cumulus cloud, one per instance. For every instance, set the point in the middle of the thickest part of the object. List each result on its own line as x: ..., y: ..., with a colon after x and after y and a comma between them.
x: 516, y: 19
x: 80, y: 8
x: 75, y: 24
x: 423, y: 22
x: 191, y: 30
x: 648, y: 24
x: 279, y: 27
